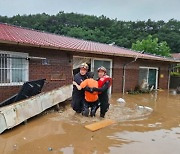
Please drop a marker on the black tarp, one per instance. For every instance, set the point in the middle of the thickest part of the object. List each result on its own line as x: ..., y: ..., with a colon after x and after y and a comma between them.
x: 28, y: 89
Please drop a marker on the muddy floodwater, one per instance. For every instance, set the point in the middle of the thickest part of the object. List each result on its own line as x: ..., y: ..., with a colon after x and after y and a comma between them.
x: 136, y: 130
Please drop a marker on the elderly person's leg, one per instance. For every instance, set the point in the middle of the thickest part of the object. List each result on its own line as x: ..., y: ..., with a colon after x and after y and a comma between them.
x: 94, y: 107
x: 85, y: 111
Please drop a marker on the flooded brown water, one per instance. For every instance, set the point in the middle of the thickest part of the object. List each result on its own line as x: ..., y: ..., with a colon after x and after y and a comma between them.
x: 135, y: 131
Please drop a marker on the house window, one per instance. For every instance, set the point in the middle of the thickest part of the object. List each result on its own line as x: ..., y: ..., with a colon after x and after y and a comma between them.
x: 13, y: 68
x: 150, y: 75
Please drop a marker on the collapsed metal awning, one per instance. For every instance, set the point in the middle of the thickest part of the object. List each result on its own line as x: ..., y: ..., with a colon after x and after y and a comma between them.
x: 28, y: 89
x: 16, y: 113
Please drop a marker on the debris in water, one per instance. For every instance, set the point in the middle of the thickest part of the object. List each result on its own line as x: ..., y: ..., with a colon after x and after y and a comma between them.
x: 173, y: 92
x: 15, y: 147
x: 140, y: 107
x: 99, y: 125
x: 50, y: 149
x: 91, y: 138
x: 121, y: 100
x: 151, y: 125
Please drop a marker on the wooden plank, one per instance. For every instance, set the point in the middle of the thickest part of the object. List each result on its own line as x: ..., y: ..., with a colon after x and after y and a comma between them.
x: 98, y: 125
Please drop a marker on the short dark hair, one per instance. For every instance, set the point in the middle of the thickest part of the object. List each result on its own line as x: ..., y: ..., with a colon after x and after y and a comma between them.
x: 90, y: 74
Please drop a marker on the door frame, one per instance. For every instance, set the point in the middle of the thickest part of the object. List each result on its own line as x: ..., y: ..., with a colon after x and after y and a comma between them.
x: 92, y: 62
x: 103, y: 59
x: 157, y: 72
x: 110, y: 71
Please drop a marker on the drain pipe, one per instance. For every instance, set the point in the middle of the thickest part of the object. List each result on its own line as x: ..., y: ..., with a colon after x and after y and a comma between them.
x: 124, y: 72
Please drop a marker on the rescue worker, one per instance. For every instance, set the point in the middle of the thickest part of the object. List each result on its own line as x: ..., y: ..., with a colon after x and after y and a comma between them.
x: 78, y: 95
x: 104, y: 82
x: 91, y: 99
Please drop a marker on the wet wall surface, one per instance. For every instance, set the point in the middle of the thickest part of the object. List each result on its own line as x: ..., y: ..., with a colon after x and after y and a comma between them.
x: 135, y: 130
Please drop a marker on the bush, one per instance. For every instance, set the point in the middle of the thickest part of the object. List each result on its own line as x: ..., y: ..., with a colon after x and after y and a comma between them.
x: 175, y: 74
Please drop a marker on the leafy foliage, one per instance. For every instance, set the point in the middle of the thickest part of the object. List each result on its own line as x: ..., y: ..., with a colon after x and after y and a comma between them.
x: 152, y: 45
x: 175, y: 74
x: 101, y: 29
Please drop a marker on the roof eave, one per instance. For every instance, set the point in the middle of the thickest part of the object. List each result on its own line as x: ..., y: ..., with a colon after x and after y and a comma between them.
x: 87, y: 51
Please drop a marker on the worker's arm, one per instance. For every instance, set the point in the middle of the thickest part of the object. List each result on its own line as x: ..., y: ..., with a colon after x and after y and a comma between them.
x: 88, y: 89
x: 78, y: 86
x: 104, y: 88
x: 82, y: 85
x: 77, y: 79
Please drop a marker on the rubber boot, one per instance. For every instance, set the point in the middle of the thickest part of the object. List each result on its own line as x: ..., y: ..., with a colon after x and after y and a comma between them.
x: 85, y: 112
x: 93, y: 110
x: 102, y: 115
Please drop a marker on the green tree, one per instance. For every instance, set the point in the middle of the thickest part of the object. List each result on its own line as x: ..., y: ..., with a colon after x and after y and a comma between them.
x: 152, y: 45
x: 101, y: 29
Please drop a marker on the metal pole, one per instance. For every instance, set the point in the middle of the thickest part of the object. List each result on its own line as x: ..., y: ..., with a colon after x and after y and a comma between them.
x: 169, y: 71
x: 124, y: 74
x: 124, y: 78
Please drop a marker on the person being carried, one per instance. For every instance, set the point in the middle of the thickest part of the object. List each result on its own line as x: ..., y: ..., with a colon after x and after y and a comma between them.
x: 91, y: 98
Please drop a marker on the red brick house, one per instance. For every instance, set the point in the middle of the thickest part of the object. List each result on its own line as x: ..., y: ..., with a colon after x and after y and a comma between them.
x: 27, y: 54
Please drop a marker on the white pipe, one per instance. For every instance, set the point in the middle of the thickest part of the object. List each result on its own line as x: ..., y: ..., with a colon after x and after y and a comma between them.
x: 124, y: 72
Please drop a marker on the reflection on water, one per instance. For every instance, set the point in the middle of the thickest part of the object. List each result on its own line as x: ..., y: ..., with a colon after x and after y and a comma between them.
x: 135, y: 131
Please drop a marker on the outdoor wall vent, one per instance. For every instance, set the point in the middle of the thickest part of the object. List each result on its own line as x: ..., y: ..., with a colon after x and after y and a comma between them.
x: 45, y: 62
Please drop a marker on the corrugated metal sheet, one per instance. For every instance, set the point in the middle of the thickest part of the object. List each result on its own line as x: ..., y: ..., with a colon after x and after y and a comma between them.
x: 13, y: 115
x: 24, y: 36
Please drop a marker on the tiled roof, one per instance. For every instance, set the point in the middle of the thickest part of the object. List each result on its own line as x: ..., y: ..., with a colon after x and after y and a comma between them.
x: 23, y: 36
x: 176, y: 55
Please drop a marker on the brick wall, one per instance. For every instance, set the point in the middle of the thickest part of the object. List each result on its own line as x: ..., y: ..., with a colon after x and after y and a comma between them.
x: 132, y: 73
x: 163, y: 76
x: 60, y: 63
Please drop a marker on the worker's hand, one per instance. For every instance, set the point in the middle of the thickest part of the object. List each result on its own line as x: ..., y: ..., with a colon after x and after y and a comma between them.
x: 74, y: 83
x: 91, y: 90
x: 88, y: 89
x: 95, y: 89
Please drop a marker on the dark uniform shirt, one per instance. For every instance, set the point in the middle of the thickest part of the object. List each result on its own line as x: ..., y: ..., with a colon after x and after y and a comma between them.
x: 78, y: 95
x: 78, y: 78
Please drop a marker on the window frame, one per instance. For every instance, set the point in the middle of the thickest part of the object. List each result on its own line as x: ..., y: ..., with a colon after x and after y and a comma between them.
x: 26, y: 68
x: 157, y: 74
